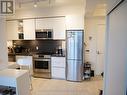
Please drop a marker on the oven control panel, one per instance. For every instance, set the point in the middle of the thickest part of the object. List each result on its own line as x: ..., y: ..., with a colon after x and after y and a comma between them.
x: 41, y: 56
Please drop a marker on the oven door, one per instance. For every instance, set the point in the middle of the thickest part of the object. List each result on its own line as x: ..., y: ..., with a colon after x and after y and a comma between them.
x: 42, y: 65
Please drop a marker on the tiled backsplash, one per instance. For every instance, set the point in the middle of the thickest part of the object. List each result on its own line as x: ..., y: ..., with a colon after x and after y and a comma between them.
x: 40, y: 46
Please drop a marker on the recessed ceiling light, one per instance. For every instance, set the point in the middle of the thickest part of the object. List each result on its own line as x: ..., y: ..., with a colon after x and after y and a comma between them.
x: 35, y: 5
x: 104, y: 5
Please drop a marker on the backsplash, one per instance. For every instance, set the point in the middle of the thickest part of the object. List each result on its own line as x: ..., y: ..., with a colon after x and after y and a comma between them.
x: 39, y: 46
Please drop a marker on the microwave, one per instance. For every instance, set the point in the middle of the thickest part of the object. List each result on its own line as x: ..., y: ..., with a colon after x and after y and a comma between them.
x: 44, y: 33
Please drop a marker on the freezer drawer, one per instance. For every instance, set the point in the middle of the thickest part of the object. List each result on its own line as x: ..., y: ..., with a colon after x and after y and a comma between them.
x: 74, y: 70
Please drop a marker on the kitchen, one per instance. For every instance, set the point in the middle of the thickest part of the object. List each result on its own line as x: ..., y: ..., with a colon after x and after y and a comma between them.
x: 44, y: 47
x: 41, y: 40
x: 73, y: 15
x: 34, y: 24
x: 25, y: 45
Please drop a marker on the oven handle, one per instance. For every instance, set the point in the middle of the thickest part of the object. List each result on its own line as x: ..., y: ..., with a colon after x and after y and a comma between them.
x: 46, y: 59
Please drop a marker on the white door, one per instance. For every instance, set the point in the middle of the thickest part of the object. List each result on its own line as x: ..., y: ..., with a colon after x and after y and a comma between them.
x: 100, y: 49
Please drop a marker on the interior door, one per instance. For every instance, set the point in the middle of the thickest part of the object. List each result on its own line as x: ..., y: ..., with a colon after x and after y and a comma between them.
x: 100, y: 48
x: 116, y: 51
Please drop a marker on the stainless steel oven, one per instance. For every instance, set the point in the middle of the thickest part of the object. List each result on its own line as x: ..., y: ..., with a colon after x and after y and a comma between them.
x: 42, y: 66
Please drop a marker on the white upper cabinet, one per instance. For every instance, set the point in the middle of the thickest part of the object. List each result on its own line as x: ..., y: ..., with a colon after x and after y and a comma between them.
x: 30, y: 25
x: 57, y: 24
x: 58, y: 28
x: 111, y: 4
x: 12, y: 30
x: 29, y: 29
x: 44, y: 23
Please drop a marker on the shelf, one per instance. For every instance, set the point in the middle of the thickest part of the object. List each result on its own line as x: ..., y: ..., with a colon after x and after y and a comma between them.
x: 87, y: 70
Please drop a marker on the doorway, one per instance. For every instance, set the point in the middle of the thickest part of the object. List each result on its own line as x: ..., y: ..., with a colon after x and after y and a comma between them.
x: 100, y: 48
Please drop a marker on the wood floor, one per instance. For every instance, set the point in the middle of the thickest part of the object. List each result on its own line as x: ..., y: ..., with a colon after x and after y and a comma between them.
x: 61, y: 87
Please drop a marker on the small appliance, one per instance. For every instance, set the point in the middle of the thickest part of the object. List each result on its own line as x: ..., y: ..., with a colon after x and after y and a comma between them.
x: 44, y: 33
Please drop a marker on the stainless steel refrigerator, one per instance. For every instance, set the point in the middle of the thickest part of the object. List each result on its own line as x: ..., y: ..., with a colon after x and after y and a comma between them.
x: 74, y: 54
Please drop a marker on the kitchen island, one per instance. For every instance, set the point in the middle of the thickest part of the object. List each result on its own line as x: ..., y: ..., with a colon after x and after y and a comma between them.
x: 18, y: 79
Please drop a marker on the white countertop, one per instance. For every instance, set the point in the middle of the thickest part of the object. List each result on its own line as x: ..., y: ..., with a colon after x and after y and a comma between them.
x: 13, y: 73
x: 12, y: 65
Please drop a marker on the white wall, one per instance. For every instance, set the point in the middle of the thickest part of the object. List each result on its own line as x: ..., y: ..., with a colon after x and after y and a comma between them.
x: 91, y: 31
x: 3, y: 45
x: 74, y: 14
x: 75, y: 22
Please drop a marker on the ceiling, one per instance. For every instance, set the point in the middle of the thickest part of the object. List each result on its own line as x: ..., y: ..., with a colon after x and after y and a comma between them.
x: 45, y: 3
x: 95, y: 8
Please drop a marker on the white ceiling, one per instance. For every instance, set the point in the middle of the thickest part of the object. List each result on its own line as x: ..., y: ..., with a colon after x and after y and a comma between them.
x: 95, y: 8
x: 45, y: 3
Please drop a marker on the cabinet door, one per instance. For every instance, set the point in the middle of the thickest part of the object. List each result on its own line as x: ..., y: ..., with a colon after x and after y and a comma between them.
x: 12, y: 30
x: 111, y: 4
x: 58, y: 62
x: 57, y: 24
x: 58, y: 28
x: 58, y: 73
x: 58, y: 67
x: 44, y: 23
x: 29, y: 29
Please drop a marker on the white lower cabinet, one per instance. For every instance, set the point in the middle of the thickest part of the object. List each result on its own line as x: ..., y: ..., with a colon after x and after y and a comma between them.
x: 58, y: 67
x: 25, y: 61
x: 58, y: 72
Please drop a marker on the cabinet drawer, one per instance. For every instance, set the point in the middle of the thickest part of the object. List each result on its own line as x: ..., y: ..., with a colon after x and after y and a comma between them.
x: 58, y: 61
x: 58, y: 73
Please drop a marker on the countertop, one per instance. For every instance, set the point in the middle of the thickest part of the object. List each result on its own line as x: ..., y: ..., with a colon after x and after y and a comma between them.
x: 12, y: 73
x: 31, y: 54
x: 57, y: 55
x: 12, y: 65
x: 11, y: 54
x: 23, y: 54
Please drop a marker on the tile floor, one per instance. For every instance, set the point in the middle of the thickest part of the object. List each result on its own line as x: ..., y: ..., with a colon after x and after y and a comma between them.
x: 61, y: 87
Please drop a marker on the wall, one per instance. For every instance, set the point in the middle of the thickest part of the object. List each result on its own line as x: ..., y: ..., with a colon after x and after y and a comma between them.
x: 74, y: 14
x: 91, y: 40
x: 3, y: 47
